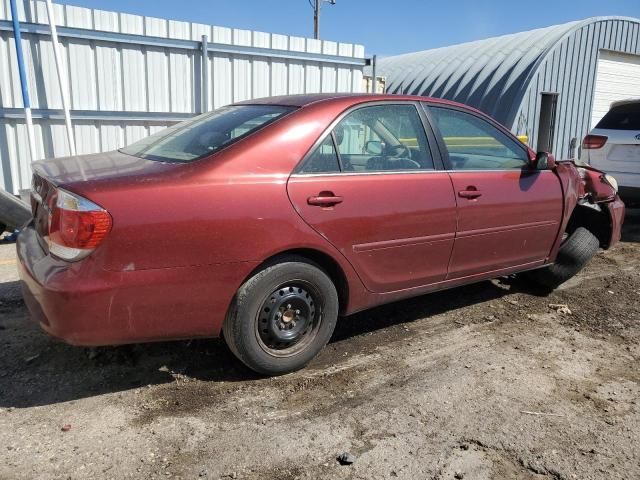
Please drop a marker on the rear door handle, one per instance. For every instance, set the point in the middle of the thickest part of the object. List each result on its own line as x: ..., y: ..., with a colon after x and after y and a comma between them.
x: 325, y: 199
x: 470, y: 192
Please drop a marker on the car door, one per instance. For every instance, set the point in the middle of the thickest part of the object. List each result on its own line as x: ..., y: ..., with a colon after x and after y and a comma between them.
x: 508, y: 213
x: 370, y: 187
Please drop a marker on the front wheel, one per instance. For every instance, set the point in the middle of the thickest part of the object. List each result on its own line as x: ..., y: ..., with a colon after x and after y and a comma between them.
x: 574, y: 254
x: 282, y: 317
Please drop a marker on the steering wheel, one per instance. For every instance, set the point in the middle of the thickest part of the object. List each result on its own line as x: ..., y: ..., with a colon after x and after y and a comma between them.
x: 399, y: 151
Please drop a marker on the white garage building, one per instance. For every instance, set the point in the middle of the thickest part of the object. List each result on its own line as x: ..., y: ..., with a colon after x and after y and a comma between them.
x: 552, y: 84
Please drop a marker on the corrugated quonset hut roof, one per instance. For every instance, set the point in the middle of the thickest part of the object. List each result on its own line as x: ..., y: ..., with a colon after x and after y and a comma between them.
x: 493, y: 75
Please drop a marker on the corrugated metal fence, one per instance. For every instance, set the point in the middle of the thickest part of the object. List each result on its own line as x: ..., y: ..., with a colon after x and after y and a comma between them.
x: 131, y: 75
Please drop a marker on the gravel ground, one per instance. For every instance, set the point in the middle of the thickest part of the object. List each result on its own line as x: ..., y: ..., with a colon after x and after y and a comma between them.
x: 481, y: 382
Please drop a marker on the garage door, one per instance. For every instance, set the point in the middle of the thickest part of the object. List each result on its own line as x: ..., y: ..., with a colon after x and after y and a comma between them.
x: 618, y: 78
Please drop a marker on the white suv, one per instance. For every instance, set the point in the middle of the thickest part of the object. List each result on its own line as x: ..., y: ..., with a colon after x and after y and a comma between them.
x: 614, y: 147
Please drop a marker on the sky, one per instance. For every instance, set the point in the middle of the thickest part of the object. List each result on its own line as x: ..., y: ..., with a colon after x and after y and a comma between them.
x: 384, y: 27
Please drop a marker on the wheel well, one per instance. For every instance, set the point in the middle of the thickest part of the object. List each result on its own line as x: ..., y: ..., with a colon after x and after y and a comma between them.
x: 321, y: 260
x: 596, y: 220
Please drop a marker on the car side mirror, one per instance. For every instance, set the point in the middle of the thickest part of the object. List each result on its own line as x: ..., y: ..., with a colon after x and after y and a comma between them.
x: 374, y: 147
x: 544, y: 161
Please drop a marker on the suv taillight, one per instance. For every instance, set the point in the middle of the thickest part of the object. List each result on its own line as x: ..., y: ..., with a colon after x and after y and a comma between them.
x: 77, y: 226
x: 593, y: 142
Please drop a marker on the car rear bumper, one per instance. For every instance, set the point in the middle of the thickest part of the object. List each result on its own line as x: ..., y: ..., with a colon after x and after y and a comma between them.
x: 84, y: 304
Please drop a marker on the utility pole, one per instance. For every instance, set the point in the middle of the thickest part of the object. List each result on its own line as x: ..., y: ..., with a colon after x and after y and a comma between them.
x: 316, y: 19
x: 317, y: 4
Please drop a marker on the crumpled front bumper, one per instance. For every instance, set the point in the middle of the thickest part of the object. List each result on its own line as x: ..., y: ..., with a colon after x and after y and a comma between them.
x: 616, y: 213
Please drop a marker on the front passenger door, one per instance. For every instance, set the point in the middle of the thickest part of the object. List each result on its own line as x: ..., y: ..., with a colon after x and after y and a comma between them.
x: 508, y: 213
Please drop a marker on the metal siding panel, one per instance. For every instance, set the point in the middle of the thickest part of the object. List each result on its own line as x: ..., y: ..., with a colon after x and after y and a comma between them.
x: 345, y: 49
x: 297, y: 44
x: 329, y: 78
x: 343, y: 80
x: 561, y: 133
x: 181, y: 84
x: 133, y: 24
x: 357, y: 78
x: 222, y: 80
x: 261, y: 67
x: 221, y: 35
x: 111, y: 137
x: 7, y: 157
x: 279, y: 77
x: 156, y: 27
x: 296, y: 77
x: 5, y: 167
x: 105, y: 20
x: 313, y: 78
x: 279, y: 42
x: 48, y: 87
x: 15, y: 155
x: 179, y: 30
x: 87, y: 138
x: 82, y: 75
x: 577, y: 50
x: 133, y: 133
x: 241, y: 79
x: 582, y: 96
x: 9, y: 89
x: 134, y: 79
x: 198, y: 30
x: 21, y: 146
x: 109, y: 77
x: 78, y: 17
x: 158, y: 80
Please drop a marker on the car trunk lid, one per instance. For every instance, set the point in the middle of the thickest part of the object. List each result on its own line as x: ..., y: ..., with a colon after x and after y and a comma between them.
x: 85, y: 175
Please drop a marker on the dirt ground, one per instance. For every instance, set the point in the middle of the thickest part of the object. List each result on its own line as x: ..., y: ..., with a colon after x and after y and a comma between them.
x: 481, y: 382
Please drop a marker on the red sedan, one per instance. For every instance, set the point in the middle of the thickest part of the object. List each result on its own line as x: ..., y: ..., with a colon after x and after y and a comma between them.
x: 266, y: 220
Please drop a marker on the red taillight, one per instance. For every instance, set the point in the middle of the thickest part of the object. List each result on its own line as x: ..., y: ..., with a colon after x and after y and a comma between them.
x: 593, y: 142
x: 76, y: 226
x: 79, y: 229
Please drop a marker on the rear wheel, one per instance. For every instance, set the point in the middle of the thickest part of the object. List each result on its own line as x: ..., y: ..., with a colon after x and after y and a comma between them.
x: 3, y: 227
x: 282, y: 317
x: 574, y: 254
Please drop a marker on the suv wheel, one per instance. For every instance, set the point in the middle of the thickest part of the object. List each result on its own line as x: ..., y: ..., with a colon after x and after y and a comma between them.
x: 282, y: 317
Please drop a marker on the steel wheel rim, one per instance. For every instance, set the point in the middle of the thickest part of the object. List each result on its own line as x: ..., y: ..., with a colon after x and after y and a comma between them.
x: 289, y: 318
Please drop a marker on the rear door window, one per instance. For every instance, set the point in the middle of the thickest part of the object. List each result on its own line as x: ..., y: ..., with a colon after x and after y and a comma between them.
x: 383, y: 138
x: 622, y: 117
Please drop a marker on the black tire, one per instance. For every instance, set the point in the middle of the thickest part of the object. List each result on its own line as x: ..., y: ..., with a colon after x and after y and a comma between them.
x: 3, y: 227
x: 573, y: 256
x: 282, y: 317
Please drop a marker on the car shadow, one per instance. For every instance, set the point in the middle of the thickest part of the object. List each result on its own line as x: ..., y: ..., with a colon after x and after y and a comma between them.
x: 38, y: 370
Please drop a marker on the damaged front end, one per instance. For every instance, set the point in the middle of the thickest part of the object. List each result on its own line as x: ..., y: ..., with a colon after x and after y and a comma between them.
x: 597, y: 204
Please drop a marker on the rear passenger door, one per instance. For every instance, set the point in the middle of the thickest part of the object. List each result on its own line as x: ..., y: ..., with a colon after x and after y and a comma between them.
x: 370, y: 187
x: 508, y: 213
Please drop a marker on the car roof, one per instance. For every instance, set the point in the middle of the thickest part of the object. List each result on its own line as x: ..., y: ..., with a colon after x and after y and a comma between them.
x: 308, y: 99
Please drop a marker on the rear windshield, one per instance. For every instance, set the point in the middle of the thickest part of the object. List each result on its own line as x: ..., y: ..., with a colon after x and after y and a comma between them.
x: 205, y: 134
x: 622, y: 117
